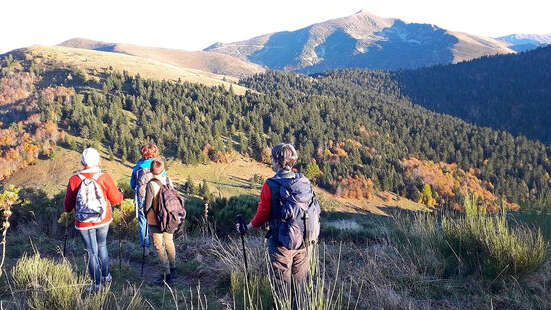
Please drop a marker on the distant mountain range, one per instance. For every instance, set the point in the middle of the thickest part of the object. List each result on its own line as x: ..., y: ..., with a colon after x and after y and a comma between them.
x: 362, y: 40
x: 205, y: 61
x: 525, y: 42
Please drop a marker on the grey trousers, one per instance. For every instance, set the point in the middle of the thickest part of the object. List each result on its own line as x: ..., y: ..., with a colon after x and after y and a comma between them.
x: 289, y: 264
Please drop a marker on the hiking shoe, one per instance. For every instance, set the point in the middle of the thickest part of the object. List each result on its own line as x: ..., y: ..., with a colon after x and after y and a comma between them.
x: 93, y: 288
x: 150, y: 252
x: 106, y: 280
x: 164, y: 278
x: 173, y: 273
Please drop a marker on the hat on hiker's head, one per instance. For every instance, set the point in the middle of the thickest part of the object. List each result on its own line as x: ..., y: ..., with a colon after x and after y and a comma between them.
x: 285, y: 155
x: 157, y: 167
x: 90, y: 157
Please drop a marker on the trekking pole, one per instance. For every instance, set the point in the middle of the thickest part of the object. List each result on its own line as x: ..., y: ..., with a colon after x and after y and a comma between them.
x: 120, y: 246
x: 64, y: 219
x: 65, y: 239
x: 242, y: 224
x: 143, y: 247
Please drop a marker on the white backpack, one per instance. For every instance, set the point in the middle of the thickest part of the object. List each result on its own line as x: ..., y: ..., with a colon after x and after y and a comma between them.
x: 91, y: 205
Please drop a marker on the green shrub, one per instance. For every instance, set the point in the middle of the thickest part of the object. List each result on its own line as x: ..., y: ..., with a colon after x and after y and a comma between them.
x: 127, y: 191
x: 489, y: 243
x: 125, y: 223
x: 221, y: 212
x: 47, y: 284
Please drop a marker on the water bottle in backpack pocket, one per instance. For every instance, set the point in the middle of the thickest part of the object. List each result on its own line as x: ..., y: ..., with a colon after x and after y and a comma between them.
x: 299, y: 211
x: 91, y: 205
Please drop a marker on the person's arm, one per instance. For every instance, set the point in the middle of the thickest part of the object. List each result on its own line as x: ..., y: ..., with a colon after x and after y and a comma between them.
x: 133, y: 178
x: 264, y: 209
x: 70, y: 195
x: 114, y: 196
x: 149, y: 194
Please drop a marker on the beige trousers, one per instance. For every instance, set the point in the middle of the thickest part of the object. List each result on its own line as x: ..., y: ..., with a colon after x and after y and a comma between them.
x: 164, y: 244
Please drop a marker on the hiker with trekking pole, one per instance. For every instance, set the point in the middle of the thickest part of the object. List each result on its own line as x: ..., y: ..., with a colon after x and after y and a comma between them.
x: 141, y: 175
x: 91, y: 194
x: 288, y: 204
x: 164, y: 211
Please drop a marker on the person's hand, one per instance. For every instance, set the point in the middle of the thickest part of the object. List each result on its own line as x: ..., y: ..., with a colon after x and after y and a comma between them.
x: 242, y: 228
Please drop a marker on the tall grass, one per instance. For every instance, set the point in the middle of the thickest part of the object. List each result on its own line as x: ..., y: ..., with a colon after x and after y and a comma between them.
x: 42, y: 283
x: 323, y: 289
x: 488, y: 243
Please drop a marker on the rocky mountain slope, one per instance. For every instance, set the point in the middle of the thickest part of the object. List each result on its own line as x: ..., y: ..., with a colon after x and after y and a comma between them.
x: 361, y: 40
x: 525, y: 42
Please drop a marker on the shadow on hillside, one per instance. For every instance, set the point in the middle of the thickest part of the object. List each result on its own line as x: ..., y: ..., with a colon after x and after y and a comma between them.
x: 405, y: 46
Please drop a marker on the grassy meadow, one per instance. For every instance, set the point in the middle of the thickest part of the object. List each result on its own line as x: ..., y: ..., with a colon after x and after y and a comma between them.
x: 96, y: 61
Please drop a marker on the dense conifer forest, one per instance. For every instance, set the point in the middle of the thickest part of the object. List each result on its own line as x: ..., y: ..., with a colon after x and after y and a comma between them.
x: 506, y: 92
x: 354, y: 125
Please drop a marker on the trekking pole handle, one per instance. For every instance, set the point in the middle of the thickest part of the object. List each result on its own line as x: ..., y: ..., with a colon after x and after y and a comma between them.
x: 242, y: 224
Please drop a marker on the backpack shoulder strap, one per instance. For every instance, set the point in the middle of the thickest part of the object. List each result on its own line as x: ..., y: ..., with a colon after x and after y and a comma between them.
x: 276, y: 181
x: 156, y: 181
x: 81, y: 177
x: 96, y: 176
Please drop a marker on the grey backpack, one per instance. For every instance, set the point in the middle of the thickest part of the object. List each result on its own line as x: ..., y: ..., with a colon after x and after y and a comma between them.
x: 143, y: 176
x: 91, y: 205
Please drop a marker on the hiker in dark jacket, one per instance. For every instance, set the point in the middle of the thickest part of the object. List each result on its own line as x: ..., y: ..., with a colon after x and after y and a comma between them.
x: 162, y: 241
x: 149, y: 153
x: 286, y: 264
x: 93, y: 231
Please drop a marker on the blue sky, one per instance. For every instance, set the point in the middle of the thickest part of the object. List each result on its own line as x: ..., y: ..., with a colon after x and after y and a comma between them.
x: 193, y: 25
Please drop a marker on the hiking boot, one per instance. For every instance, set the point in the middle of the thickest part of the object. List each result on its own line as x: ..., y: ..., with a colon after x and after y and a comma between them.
x: 106, y: 280
x: 164, y: 278
x: 93, y: 288
x: 150, y: 252
x: 173, y: 273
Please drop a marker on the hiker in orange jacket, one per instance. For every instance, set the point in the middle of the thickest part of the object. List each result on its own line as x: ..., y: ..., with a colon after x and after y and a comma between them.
x: 91, y: 193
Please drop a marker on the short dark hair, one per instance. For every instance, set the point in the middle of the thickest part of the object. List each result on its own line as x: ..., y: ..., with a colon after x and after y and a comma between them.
x: 157, y: 167
x: 285, y: 155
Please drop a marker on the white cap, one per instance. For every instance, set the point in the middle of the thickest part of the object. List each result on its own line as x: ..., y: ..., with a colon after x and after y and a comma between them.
x: 90, y: 157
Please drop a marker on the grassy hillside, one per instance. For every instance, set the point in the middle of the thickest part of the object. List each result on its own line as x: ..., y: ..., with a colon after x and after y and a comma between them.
x: 200, y: 60
x: 356, y: 133
x: 224, y: 180
x: 505, y: 92
x: 366, y: 145
x: 97, y: 61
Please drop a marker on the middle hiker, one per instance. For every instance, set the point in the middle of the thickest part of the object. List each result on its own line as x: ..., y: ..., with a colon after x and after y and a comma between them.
x: 287, y: 202
x: 164, y: 210
x: 141, y: 175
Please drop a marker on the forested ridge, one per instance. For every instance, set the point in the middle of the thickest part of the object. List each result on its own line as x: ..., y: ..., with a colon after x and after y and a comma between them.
x: 353, y: 124
x: 506, y: 92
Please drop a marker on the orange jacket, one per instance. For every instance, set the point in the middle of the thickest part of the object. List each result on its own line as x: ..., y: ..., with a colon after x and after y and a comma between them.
x: 110, y: 192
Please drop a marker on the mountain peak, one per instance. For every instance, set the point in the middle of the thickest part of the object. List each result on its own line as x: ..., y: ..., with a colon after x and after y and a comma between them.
x: 364, y: 12
x: 363, y: 40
